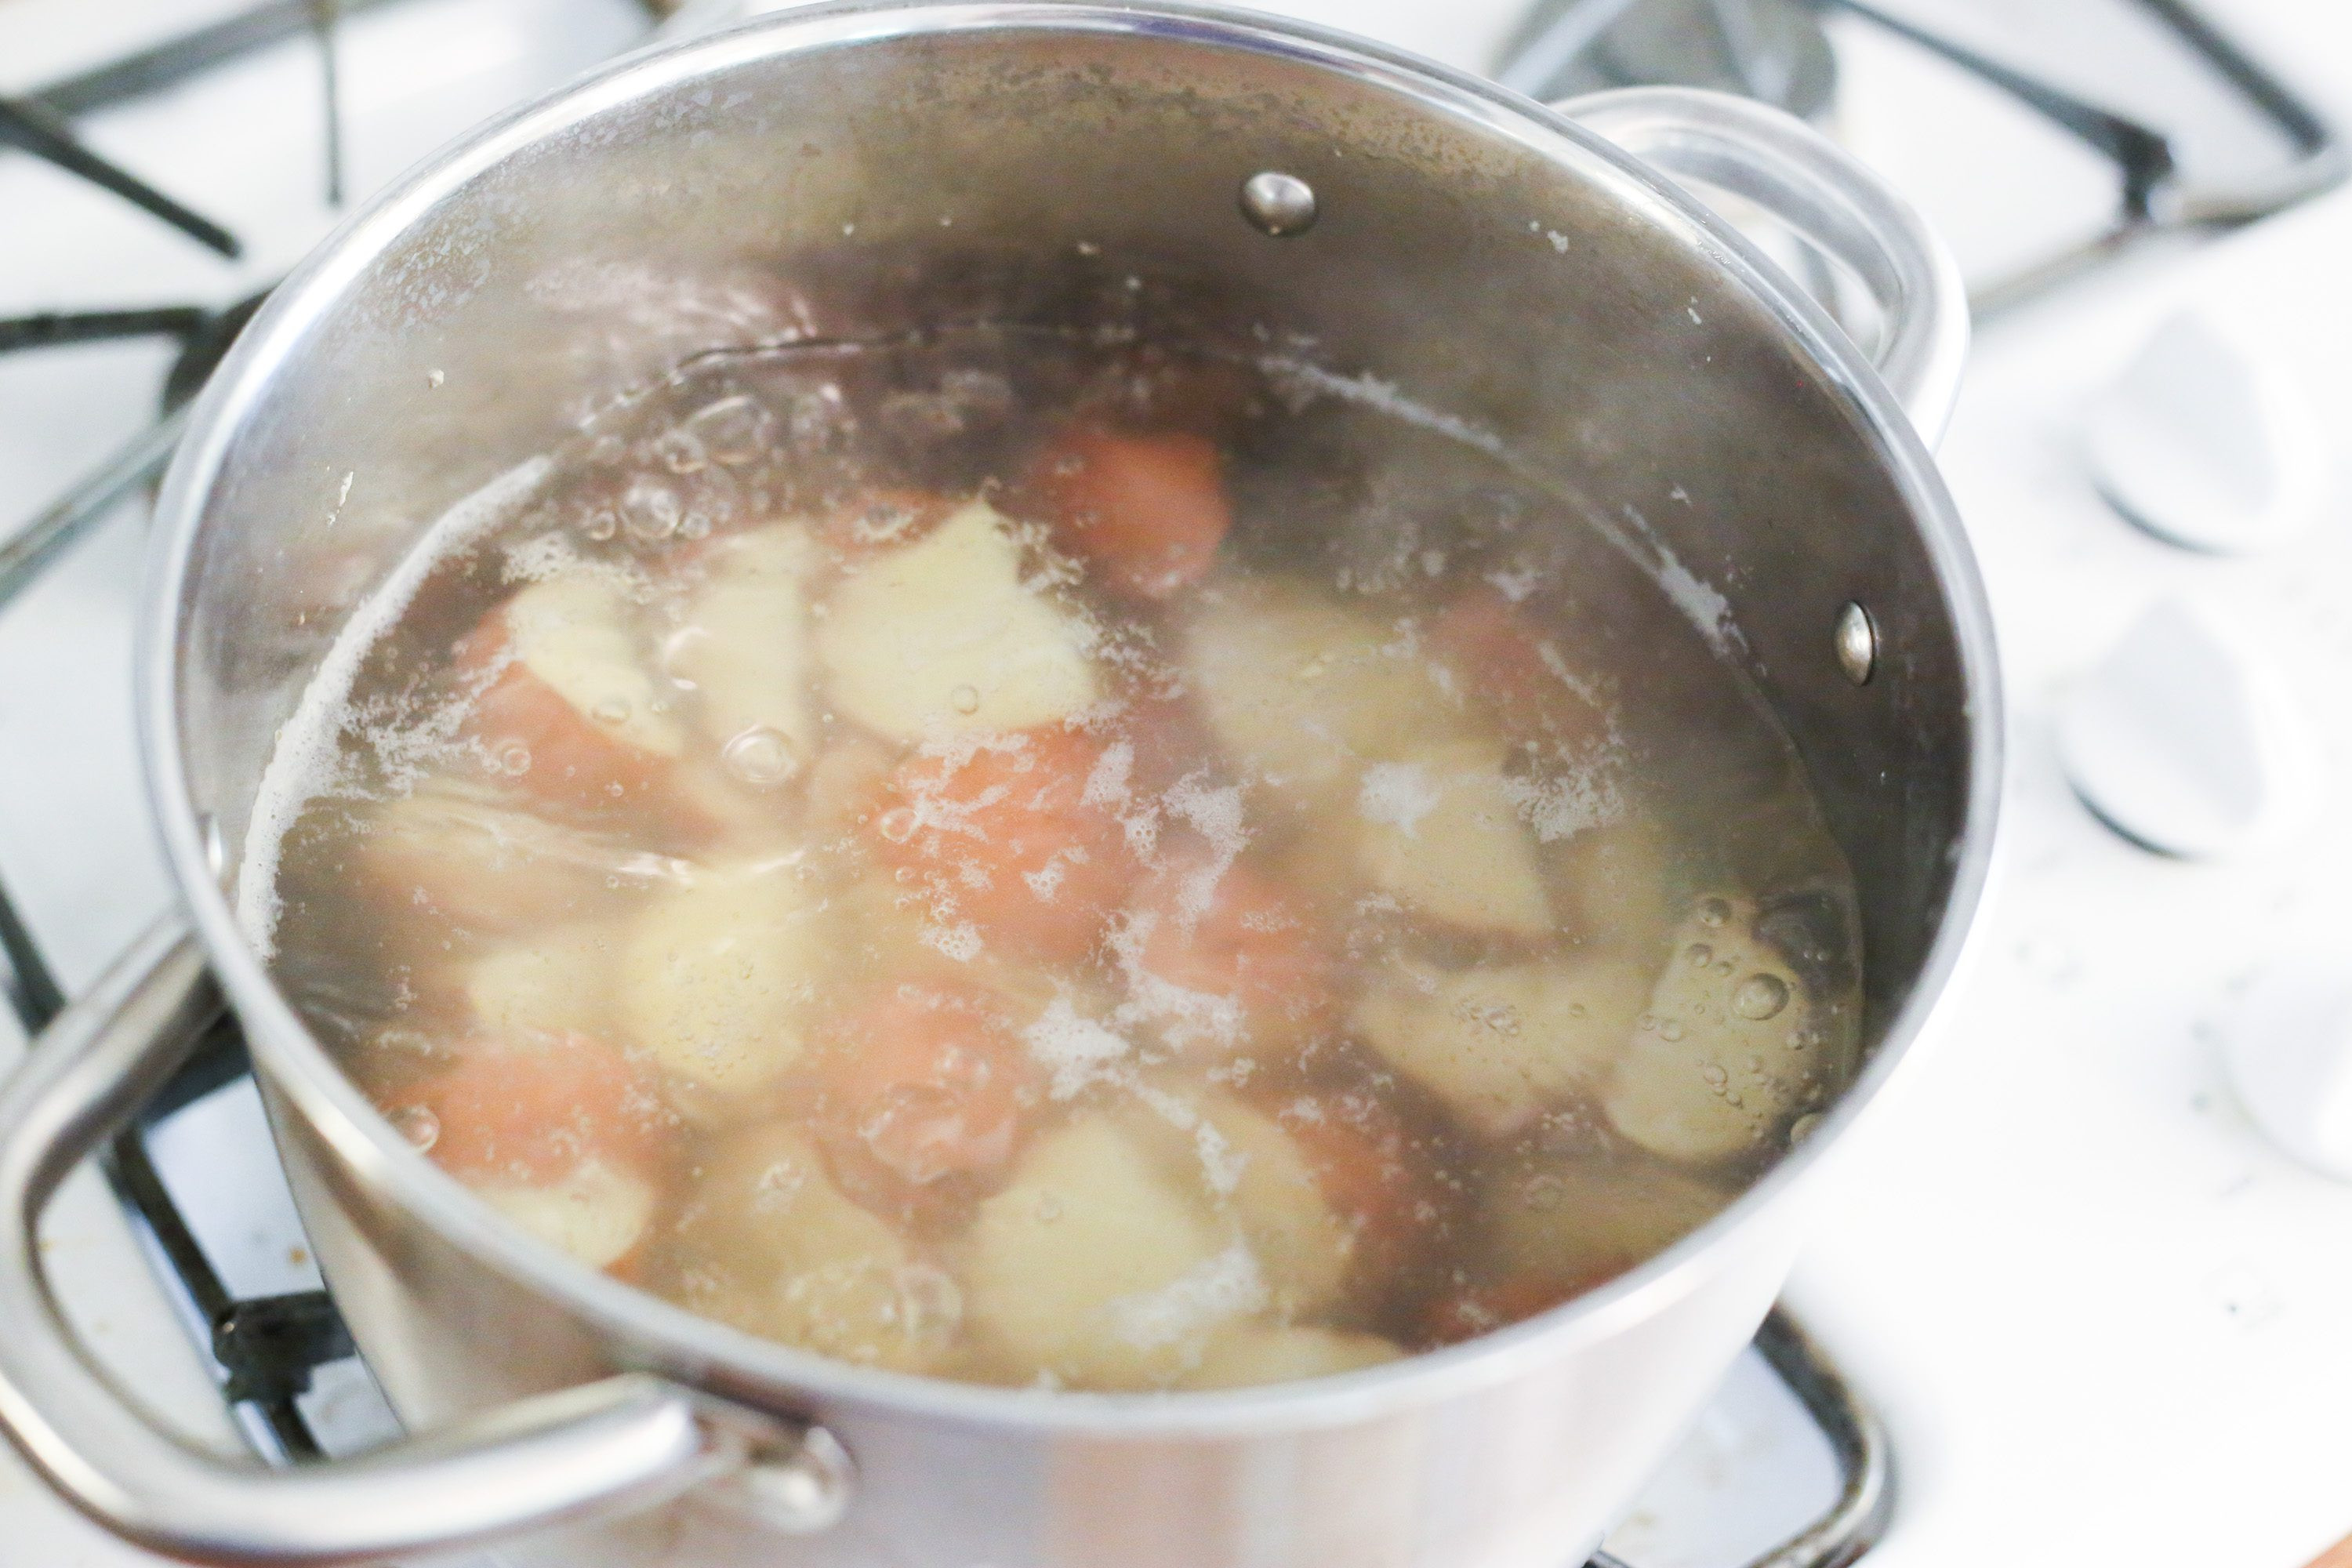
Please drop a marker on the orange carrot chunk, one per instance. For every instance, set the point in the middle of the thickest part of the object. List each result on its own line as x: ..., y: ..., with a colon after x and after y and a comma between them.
x: 929, y: 1081
x: 1001, y: 838
x: 1240, y: 934
x: 1147, y: 512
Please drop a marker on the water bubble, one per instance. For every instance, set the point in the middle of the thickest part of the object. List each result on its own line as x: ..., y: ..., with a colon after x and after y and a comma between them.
x: 650, y: 510
x: 1716, y: 1076
x: 610, y: 710
x: 1701, y: 955
x: 514, y: 759
x: 761, y: 757
x: 1049, y: 1208
x: 733, y: 430
x: 1724, y: 968
x: 1545, y: 1194
x: 1670, y: 1030
x: 965, y: 699
x: 681, y: 453
x: 418, y: 1125
x: 1759, y: 996
x: 898, y: 824
x: 1649, y: 1023
x: 600, y: 524
x: 695, y: 525
x: 1714, y: 911
x: 1803, y: 1127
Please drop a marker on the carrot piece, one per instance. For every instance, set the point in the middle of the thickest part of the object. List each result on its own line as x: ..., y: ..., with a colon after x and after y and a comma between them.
x: 1502, y: 659
x: 929, y: 1080
x: 1241, y: 935
x: 1002, y: 834
x: 531, y: 1112
x: 1146, y: 511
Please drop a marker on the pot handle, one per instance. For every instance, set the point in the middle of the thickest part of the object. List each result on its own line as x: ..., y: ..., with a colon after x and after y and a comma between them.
x: 1808, y: 182
x: 627, y: 1442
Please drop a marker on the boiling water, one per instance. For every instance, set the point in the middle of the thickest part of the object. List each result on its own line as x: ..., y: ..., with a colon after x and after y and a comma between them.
x: 1048, y: 863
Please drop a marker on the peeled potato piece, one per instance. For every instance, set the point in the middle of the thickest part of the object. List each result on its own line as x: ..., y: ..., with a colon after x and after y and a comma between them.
x: 745, y: 647
x: 943, y: 635
x: 1256, y: 1174
x: 1721, y: 1061
x: 571, y: 698
x: 1255, y: 1353
x: 770, y: 1245
x: 559, y: 982
x: 595, y: 1212
x: 1096, y: 1266
x: 1303, y: 691
x: 715, y: 978
x: 1438, y: 828
x: 1500, y: 1045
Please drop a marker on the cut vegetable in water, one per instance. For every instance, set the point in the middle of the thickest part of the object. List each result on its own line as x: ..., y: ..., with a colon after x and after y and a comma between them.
x: 1041, y: 873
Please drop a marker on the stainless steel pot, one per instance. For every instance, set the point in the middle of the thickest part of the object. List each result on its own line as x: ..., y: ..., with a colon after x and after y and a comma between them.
x: 1506, y: 263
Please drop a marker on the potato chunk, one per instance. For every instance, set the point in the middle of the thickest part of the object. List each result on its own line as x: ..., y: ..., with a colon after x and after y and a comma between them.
x: 716, y: 977
x: 1721, y: 1062
x: 770, y: 1245
x: 1303, y: 691
x: 556, y: 983
x: 1253, y: 1353
x: 944, y: 635
x: 1438, y: 828
x: 1500, y: 1045
x: 1096, y: 1266
x: 597, y: 1212
x: 1257, y: 1173
x: 572, y: 633
x: 745, y: 646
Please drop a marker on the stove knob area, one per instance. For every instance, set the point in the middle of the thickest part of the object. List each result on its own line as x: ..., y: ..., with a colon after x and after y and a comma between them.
x: 2209, y: 441
x: 2184, y: 739
x: 2290, y: 1056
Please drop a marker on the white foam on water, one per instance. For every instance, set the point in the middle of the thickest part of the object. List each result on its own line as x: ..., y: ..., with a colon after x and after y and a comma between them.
x: 1184, y: 1311
x: 1564, y: 804
x: 1078, y: 1050
x: 1396, y: 795
x: 308, y: 759
x: 1297, y: 376
x: 1215, y: 814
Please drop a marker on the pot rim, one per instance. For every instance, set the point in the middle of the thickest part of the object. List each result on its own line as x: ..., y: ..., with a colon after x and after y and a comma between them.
x: 649, y: 1332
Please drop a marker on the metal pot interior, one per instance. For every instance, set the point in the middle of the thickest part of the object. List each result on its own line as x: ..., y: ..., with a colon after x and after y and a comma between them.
x: 902, y: 168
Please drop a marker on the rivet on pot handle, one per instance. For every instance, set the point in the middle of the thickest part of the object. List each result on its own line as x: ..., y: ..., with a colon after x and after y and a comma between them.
x: 627, y: 1442
x: 1809, y: 183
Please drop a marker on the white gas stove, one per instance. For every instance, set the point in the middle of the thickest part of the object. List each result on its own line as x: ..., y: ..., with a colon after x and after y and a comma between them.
x: 2103, y: 1319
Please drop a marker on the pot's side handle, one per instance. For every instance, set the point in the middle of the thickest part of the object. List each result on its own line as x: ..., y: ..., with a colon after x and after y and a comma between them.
x: 627, y: 1442
x: 1806, y: 181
